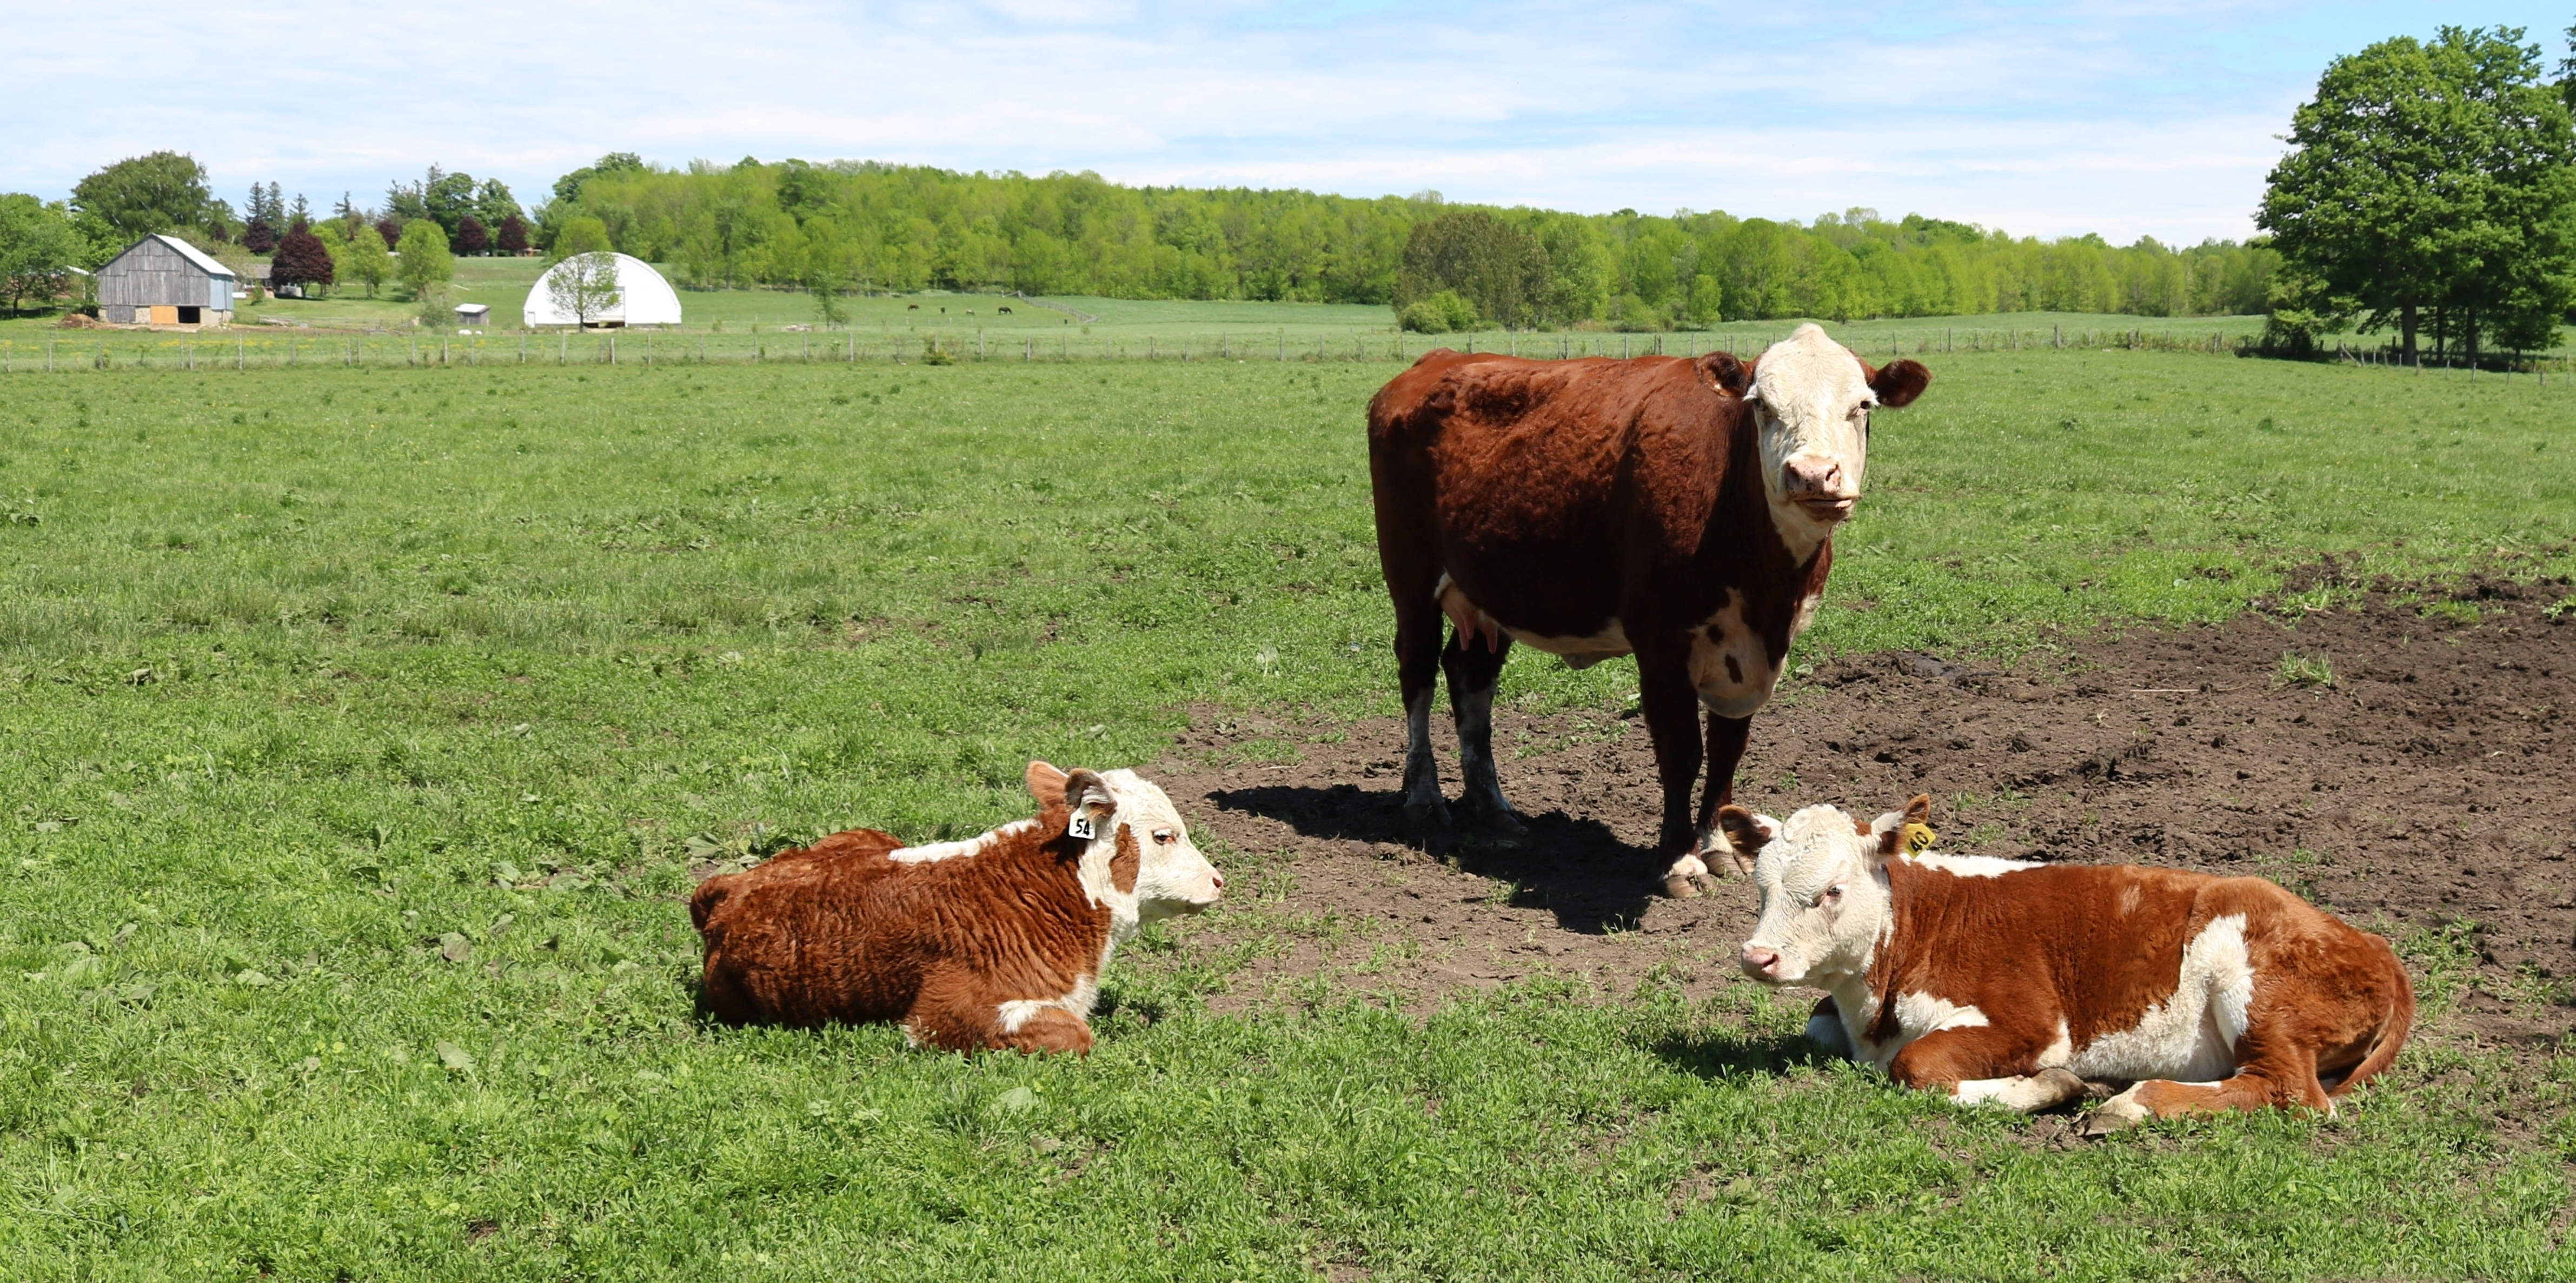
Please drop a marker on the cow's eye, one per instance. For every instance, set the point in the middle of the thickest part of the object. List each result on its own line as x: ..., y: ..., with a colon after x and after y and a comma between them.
x: 1163, y: 837
x: 1830, y: 896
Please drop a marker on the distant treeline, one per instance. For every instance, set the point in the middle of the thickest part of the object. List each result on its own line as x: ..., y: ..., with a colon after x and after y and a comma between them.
x: 872, y: 226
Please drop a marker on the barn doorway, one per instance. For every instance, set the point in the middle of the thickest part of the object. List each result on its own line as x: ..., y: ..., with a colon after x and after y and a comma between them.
x: 189, y: 315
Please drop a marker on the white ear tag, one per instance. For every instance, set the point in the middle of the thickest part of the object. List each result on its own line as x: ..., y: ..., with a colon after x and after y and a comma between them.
x: 1080, y: 826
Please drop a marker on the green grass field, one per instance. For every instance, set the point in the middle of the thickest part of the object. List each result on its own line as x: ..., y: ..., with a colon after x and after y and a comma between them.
x: 360, y: 720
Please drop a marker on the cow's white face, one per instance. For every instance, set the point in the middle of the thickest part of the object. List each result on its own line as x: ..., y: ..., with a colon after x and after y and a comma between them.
x: 1171, y: 876
x: 1824, y: 897
x: 1811, y: 400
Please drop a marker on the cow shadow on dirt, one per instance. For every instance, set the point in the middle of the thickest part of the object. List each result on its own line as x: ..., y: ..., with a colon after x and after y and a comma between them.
x: 1573, y: 868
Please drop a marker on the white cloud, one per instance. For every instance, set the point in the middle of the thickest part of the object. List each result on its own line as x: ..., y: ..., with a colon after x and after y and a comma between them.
x: 2046, y: 118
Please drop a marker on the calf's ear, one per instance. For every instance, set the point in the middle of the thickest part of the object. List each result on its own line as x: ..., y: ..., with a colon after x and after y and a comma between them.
x: 1912, y: 832
x: 1087, y: 796
x: 1897, y: 383
x: 1727, y: 371
x: 1743, y: 828
x: 1046, y: 783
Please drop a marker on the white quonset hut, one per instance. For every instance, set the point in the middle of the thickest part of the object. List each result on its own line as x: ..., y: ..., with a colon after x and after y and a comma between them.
x: 644, y: 298
x: 162, y: 280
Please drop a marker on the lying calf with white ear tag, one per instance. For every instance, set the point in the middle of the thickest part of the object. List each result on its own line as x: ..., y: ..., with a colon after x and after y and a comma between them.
x: 2014, y: 984
x: 995, y: 941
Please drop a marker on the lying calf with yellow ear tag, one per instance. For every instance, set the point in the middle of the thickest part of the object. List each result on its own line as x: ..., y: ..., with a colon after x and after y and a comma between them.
x: 2013, y: 983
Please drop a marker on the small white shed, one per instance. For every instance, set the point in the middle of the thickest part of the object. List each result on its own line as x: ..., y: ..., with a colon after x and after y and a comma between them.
x: 474, y: 316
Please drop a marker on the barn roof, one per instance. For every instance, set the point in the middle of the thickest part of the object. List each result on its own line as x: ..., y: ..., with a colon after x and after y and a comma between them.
x: 187, y: 251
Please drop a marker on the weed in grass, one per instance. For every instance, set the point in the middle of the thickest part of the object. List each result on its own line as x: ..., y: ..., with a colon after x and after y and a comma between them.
x: 2296, y: 669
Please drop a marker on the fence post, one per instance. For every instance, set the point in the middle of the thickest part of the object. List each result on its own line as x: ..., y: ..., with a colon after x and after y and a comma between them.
x: 49, y: 356
x: 563, y: 348
x: 238, y: 344
x: 523, y: 347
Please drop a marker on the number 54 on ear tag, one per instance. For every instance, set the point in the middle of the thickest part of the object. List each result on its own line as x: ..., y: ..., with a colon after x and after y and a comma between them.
x: 1081, y: 826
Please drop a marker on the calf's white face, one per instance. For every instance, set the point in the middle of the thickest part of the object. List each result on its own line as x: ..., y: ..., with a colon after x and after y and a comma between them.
x: 1824, y: 898
x: 1171, y: 876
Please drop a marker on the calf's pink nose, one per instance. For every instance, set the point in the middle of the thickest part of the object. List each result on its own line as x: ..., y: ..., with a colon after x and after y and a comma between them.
x: 1814, y: 476
x: 1761, y: 962
x: 1216, y: 880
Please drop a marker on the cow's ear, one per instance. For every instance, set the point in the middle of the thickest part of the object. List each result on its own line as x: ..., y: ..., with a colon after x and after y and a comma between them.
x: 1046, y: 783
x: 1087, y: 796
x: 1911, y: 833
x: 1728, y: 372
x: 1899, y: 382
x: 1743, y: 828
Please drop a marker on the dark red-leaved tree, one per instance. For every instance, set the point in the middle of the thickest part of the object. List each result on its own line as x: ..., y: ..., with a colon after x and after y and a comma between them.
x: 391, y: 231
x: 471, y: 236
x: 300, y: 260
x: 514, y: 234
x: 259, y: 237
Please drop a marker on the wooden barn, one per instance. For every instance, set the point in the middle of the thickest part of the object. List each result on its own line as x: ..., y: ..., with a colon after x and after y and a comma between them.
x: 162, y: 280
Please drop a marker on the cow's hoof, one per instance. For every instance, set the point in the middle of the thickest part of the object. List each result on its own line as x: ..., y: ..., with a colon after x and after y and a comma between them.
x: 1686, y: 878
x: 2119, y: 1113
x: 1427, y: 816
x: 1502, y: 824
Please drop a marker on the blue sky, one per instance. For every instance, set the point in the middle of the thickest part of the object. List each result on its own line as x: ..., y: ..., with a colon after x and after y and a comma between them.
x: 2047, y: 118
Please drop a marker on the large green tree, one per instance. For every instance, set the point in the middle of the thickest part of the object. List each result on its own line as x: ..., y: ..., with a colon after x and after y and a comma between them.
x: 422, y: 261
x: 162, y: 192
x: 39, y: 247
x: 1498, y: 267
x: 2432, y: 178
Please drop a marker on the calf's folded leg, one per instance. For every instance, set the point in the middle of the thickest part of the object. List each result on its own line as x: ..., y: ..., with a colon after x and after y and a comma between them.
x: 2285, y: 1076
x: 1986, y: 1065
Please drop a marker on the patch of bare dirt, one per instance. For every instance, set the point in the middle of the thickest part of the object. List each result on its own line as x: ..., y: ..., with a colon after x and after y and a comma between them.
x: 2432, y: 781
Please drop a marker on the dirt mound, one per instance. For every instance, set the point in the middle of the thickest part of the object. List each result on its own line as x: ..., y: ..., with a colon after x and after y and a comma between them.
x: 84, y: 321
x: 2406, y: 764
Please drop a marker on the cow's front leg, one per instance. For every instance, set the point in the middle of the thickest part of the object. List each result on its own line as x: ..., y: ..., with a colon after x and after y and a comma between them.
x: 1985, y: 1065
x: 1726, y: 737
x: 1474, y: 670
x: 1671, y: 709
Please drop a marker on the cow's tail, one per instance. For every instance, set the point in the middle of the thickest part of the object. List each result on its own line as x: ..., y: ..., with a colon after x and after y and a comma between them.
x: 2392, y: 1028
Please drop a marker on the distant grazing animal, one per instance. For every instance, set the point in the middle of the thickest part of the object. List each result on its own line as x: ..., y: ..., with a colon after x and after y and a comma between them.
x: 1681, y: 510
x: 1003, y: 310
x: 2009, y: 983
x: 995, y: 941
x: 970, y: 311
x: 912, y: 307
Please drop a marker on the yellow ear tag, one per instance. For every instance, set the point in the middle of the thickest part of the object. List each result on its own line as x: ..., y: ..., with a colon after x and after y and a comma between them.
x: 1916, y: 838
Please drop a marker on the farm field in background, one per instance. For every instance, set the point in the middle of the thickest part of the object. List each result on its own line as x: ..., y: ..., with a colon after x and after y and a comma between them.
x: 1120, y: 328
x: 367, y: 726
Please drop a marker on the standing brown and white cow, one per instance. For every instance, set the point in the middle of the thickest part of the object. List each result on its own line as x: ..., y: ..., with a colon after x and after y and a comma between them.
x: 1681, y: 510
x: 2008, y: 983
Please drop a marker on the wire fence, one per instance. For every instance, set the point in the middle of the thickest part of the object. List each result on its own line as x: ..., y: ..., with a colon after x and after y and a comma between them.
x: 242, y: 350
